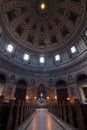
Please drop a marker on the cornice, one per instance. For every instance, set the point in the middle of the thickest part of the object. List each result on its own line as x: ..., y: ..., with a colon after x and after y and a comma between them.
x: 46, y: 73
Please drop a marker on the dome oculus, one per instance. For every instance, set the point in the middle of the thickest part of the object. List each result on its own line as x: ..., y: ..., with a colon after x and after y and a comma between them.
x: 42, y: 6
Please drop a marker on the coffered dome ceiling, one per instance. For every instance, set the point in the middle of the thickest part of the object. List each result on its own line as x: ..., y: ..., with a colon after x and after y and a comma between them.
x: 42, y: 25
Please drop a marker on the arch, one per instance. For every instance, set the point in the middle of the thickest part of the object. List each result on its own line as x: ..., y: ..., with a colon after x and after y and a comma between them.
x: 22, y: 83
x: 22, y: 79
x: 81, y: 78
x: 2, y: 78
x: 60, y: 83
x: 5, y: 74
x: 2, y: 83
x: 79, y: 73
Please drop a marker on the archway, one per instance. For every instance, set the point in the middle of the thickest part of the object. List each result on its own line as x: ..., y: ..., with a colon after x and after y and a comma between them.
x: 62, y: 93
x: 20, y: 93
x: 2, y: 83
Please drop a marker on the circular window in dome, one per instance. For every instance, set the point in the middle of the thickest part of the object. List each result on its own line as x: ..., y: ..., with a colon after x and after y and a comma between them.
x: 42, y: 8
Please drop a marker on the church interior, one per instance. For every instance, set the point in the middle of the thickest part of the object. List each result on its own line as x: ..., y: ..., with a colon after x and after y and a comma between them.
x: 43, y: 62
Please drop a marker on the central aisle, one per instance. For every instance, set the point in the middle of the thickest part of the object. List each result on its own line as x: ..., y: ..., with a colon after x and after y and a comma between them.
x: 43, y: 121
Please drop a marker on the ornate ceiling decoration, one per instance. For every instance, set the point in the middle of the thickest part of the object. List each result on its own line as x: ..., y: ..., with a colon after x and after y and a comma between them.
x: 42, y: 25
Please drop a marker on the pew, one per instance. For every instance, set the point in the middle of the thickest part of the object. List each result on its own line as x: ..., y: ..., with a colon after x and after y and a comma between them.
x: 14, y: 113
x: 73, y: 114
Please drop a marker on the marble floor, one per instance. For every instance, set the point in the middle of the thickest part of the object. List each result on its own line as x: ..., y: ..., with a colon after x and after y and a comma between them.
x: 43, y: 121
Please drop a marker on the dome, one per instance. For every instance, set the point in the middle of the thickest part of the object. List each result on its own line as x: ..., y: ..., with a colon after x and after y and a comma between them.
x: 42, y: 35
x: 45, y: 29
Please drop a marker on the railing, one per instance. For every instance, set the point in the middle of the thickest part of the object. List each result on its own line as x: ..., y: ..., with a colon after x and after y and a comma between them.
x: 75, y: 115
x: 13, y: 114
